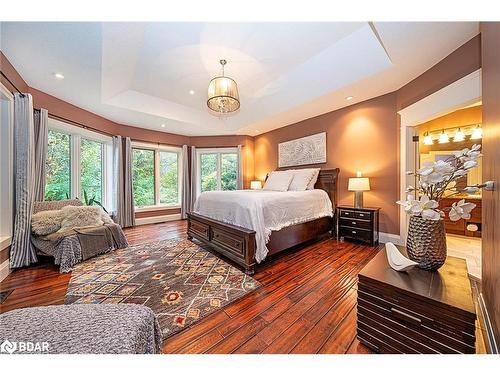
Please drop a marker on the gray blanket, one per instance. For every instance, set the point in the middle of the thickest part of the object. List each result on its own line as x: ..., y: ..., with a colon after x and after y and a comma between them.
x: 81, y: 329
x: 67, y: 251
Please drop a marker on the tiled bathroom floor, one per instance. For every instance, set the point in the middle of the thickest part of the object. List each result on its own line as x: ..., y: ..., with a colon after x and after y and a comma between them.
x: 468, y: 248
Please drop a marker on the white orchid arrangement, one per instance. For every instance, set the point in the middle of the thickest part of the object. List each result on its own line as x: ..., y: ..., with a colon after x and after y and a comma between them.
x: 440, y: 177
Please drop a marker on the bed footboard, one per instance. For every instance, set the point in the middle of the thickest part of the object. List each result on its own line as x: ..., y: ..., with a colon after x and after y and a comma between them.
x: 235, y: 243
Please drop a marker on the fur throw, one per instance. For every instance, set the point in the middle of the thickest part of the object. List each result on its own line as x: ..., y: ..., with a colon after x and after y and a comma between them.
x: 46, y: 222
x: 81, y: 216
x: 106, y: 218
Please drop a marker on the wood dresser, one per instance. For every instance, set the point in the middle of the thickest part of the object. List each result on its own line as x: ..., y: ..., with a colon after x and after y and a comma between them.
x: 360, y: 224
x: 416, y: 311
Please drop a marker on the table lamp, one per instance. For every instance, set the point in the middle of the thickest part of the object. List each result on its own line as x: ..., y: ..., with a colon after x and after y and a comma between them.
x: 255, y: 185
x: 358, y: 184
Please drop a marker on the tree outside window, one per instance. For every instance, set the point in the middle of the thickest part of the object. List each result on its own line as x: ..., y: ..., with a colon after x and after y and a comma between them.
x: 58, y: 166
x: 218, y: 170
x: 143, y: 171
x: 169, y: 178
x: 91, y: 168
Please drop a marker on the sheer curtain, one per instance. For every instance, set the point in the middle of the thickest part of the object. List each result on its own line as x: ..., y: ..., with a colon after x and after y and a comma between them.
x: 22, y: 252
x: 239, y: 184
x: 186, y: 192
x: 123, y: 194
x: 194, y: 163
x: 41, y: 119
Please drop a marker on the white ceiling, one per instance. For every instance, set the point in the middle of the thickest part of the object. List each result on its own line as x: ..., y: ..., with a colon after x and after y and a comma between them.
x: 141, y: 74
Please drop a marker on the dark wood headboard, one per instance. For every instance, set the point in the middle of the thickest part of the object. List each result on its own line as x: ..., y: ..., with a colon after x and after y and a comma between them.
x: 328, y: 181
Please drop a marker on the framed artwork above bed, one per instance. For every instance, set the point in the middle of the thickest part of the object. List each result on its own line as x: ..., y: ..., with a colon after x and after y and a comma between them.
x: 303, y: 151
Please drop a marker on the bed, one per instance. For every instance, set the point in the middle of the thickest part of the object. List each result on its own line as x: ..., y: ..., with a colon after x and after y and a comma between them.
x: 213, y: 220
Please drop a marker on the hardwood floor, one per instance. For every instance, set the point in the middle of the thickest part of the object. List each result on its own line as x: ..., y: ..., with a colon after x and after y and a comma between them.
x: 307, y: 302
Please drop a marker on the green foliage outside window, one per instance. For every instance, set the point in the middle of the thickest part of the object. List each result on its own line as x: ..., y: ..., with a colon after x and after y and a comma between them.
x: 143, y: 173
x: 209, y: 166
x: 208, y: 172
x: 58, y: 166
x: 91, y: 168
x: 169, y: 178
x: 229, y: 171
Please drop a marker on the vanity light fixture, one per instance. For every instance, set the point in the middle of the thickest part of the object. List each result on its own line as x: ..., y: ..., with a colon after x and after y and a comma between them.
x: 443, y: 137
x: 477, y: 133
x: 428, y: 139
x: 459, y: 136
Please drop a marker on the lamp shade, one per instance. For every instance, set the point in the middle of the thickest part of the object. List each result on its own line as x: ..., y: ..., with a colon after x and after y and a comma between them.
x: 359, y: 184
x: 255, y: 185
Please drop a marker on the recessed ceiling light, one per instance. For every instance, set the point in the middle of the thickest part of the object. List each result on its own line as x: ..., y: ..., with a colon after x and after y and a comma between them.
x: 59, y: 75
x: 162, y: 125
x: 349, y: 98
x: 191, y: 92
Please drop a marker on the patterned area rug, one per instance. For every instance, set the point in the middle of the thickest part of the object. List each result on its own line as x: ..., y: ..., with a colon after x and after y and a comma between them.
x: 177, y: 279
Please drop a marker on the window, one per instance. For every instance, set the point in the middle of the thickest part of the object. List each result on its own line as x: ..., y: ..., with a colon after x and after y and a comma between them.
x: 91, y: 169
x: 143, y: 170
x: 156, y: 176
x: 6, y: 166
x: 58, y: 166
x: 217, y: 169
x: 78, y: 162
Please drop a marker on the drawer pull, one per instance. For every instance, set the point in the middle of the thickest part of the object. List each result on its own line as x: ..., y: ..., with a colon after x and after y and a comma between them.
x: 346, y: 213
x: 354, y: 222
x: 362, y: 215
x: 354, y: 232
x: 405, y: 316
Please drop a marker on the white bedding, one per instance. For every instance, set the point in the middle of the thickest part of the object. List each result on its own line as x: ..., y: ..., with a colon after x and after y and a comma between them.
x: 264, y: 211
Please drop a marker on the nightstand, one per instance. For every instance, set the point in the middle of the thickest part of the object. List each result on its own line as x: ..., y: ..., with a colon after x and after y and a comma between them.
x: 416, y: 311
x: 360, y: 224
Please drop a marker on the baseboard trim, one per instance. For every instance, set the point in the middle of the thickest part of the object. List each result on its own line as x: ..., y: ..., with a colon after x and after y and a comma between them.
x: 389, y: 237
x: 4, y: 269
x: 157, y: 219
x: 490, y: 335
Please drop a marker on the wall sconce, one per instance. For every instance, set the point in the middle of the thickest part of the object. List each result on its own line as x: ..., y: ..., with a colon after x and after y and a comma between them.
x: 428, y: 139
x: 477, y: 133
x: 255, y: 185
x: 443, y: 137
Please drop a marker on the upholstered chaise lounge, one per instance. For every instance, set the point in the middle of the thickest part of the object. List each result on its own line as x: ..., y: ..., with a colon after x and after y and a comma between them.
x: 67, y: 249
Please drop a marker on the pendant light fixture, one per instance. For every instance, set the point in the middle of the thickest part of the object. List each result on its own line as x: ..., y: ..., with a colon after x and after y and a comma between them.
x: 223, y: 93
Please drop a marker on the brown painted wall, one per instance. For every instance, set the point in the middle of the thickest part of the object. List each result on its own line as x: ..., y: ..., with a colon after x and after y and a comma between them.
x: 360, y: 137
x: 491, y: 171
x: 461, y: 62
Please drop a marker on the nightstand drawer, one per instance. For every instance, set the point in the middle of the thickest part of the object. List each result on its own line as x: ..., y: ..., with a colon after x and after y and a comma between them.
x: 363, y: 215
x: 356, y: 223
x: 359, y: 234
x: 347, y: 214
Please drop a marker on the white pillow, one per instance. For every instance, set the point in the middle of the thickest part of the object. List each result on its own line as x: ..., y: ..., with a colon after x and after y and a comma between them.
x: 81, y: 216
x: 313, y: 179
x: 106, y: 218
x: 278, y: 181
x: 301, y: 179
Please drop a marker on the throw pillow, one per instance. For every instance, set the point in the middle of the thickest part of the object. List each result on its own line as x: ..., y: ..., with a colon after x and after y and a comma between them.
x: 46, y: 222
x: 82, y: 216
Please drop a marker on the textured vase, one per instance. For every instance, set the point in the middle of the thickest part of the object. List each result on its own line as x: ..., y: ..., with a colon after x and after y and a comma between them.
x: 426, y: 243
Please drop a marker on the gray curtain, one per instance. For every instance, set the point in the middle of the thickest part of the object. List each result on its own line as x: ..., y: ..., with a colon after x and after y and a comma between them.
x: 128, y: 190
x: 240, y: 168
x: 117, y: 198
x: 186, y: 192
x: 194, y: 162
x: 123, y: 195
x: 22, y: 252
x: 41, y: 119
